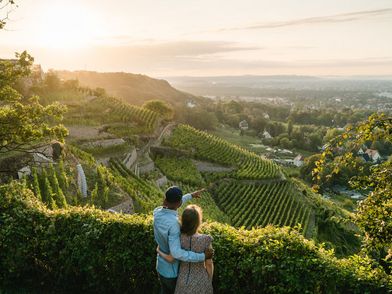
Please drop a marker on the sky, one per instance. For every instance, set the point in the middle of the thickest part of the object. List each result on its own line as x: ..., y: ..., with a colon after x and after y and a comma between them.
x: 204, y: 37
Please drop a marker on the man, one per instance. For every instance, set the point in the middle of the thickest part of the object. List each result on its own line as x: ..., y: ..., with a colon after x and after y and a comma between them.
x: 167, y: 235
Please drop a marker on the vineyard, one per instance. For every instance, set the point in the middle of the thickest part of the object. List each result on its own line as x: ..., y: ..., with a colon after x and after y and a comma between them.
x: 211, y: 212
x: 253, y: 205
x: 179, y: 169
x: 49, y: 184
x: 209, y: 147
x: 129, y: 113
x: 146, y: 195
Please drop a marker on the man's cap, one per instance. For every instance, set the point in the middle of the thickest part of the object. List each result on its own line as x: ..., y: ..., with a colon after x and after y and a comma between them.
x: 173, y: 194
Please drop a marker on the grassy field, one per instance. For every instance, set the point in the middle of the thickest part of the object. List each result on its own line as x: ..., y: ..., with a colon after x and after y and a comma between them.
x: 233, y: 136
x: 247, y: 140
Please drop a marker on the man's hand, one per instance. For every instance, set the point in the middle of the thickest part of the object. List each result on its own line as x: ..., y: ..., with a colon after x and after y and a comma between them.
x: 209, y: 253
x: 197, y: 194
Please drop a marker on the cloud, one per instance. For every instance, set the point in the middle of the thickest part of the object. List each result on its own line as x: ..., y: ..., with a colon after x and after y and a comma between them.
x: 198, y: 58
x: 336, y: 18
x: 173, y: 48
x: 189, y: 48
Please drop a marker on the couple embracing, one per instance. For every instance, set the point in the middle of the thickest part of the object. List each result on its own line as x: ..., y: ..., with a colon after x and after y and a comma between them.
x: 184, y: 259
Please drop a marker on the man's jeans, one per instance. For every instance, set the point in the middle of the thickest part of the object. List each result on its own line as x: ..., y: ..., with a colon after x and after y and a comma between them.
x: 168, y: 285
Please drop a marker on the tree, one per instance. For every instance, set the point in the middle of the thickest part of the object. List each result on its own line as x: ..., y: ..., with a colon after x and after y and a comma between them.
x: 160, y: 107
x: 52, y: 82
x: 290, y: 127
x: 35, y: 184
x: 9, y: 6
x: 58, y: 194
x: 259, y: 123
x: 201, y: 119
x: 234, y: 107
x: 101, y: 184
x: 285, y: 143
x: 94, y: 194
x: 309, y: 165
x: 331, y: 134
x: 62, y: 176
x: 105, y: 196
x: 25, y: 121
x: 71, y: 85
x: 47, y: 192
x: 374, y: 214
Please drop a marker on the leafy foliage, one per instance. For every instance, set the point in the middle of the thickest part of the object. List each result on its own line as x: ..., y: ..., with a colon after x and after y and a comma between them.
x: 374, y: 213
x: 83, y: 249
x: 162, y: 108
x: 24, y: 121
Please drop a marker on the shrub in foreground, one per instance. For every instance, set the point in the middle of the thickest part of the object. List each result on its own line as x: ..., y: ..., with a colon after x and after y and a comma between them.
x: 88, y: 250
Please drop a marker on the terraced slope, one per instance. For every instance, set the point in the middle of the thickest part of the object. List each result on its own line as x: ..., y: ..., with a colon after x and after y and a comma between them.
x: 252, y: 205
x: 212, y: 148
x: 130, y: 113
x: 179, y: 169
x: 144, y: 193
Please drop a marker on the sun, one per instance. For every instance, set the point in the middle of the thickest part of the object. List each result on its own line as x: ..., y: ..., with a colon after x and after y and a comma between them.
x: 66, y: 27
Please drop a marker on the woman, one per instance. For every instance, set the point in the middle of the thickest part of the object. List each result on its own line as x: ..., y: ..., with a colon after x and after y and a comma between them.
x: 193, y: 277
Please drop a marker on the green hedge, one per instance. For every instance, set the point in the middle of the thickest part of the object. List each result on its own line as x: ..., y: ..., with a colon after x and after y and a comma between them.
x: 88, y: 250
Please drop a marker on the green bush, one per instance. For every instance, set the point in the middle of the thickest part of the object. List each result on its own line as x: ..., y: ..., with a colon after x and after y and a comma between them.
x: 88, y: 250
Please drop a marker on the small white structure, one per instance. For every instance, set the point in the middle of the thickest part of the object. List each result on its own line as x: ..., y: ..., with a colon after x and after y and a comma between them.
x: 286, y: 151
x: 191, y: 104
x: 130, y: 159
x: 126, y: 207
x: 299, y: 160
x: 82, y: 182
x: 266, y: 135
x: 40, y: 159
x: 374, y: 155
x: 145, y: 167
x: 266, y: 115
x: 161, y: 181
x: 244, y: 125
x: 324, y: 147
x: 24, y: 172
x: 106, y: 143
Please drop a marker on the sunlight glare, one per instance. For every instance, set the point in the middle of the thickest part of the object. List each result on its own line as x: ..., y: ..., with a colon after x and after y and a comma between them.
x: 67, y: 27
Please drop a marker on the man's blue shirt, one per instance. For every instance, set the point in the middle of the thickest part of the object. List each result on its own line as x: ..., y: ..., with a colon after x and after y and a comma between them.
x: 167, y: 235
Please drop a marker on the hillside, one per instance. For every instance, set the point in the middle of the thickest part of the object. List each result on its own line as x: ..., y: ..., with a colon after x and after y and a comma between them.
x: 129, y: 156
x: 251, y: 190
x: 134, y: 88
x: 143, y: 155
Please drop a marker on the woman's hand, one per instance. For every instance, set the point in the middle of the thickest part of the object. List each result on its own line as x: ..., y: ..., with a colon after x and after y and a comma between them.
x: 165, y: 256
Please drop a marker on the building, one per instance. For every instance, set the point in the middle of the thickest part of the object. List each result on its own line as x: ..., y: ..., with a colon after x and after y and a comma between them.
x: 266, y: 135
x: 125, y: 207
x: 191, y: 104
x: 374, y: 155
x: 24, y: 172
x: 299, y: 160
x: 244, y: 125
